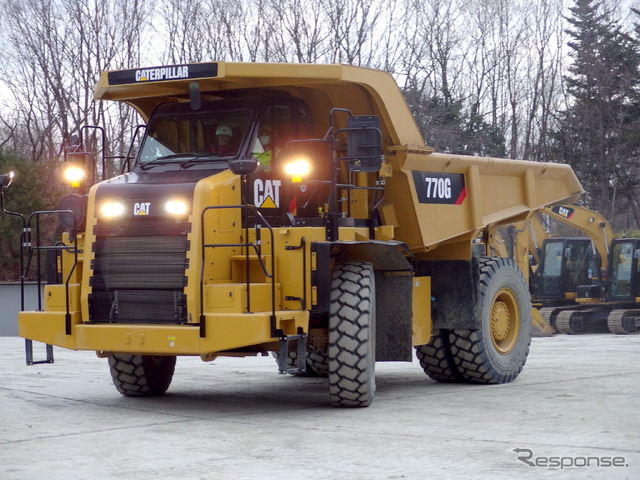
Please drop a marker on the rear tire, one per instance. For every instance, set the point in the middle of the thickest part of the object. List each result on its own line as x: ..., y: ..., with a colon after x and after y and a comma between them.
x: 497, y: 352
x: 141, y: 375
x: 351, y: 347
x: 436, y: 359
x: 317, y: 362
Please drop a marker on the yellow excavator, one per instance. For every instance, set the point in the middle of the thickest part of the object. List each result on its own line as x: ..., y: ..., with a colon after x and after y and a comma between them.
x: 587, y: 284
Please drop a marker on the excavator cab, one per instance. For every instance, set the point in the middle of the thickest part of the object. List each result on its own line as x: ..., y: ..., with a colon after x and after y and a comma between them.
x: 566, y: 265
x: 624, y: 271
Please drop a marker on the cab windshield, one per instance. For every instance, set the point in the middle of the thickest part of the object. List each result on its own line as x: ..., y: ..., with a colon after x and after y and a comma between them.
x: 178, y: 134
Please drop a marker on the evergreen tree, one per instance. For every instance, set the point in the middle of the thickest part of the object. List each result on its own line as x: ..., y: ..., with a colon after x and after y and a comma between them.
x: 446, y: 128
x: 25, y: 195
x: 597, y: 133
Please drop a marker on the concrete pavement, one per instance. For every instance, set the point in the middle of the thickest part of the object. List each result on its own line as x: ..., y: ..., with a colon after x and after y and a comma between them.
x: 573, y: 413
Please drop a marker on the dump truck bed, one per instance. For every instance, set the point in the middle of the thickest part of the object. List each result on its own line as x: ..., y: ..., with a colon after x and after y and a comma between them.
x: 430, y: 198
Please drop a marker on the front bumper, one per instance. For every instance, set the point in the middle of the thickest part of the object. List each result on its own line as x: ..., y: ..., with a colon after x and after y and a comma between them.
x: 224, y: 332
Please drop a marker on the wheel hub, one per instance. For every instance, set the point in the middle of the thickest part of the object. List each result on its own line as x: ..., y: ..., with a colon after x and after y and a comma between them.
x: 500, y: 321
x: 504, y: 321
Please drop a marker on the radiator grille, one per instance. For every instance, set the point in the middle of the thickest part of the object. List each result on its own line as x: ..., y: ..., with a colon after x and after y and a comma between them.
x: 139, y: 271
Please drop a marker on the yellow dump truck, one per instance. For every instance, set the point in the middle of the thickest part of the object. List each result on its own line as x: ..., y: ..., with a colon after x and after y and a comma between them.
x: 292, y: 209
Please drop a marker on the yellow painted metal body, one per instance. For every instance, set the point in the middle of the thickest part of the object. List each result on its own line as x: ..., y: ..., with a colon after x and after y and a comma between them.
x: 496, y: 192
x: 589, y: 222
x: 499, y: 191
x: 422, y: 324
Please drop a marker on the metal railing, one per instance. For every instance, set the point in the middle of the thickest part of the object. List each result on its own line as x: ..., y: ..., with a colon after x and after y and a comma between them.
x: 247, y: 246
x: 27, y: 245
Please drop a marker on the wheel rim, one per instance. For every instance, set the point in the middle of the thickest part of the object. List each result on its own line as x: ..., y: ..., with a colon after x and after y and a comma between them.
x: 505, y: 321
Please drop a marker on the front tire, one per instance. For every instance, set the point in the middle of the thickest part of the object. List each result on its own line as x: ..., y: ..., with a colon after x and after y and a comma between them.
x: 141, y: 375
x: 351, y: 346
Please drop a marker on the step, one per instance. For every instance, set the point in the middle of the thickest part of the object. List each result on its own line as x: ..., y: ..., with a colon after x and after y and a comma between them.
x: 256, y: 273
x: 232, y: 297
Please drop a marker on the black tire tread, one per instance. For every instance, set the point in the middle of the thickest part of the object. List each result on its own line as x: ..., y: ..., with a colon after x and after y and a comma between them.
x: 436, y: 359
x: 351, y: 356
x: 141, y: 375
x: 470, y: 348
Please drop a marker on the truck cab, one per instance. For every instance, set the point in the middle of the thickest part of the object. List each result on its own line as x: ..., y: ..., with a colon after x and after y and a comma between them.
x: 181, y: 142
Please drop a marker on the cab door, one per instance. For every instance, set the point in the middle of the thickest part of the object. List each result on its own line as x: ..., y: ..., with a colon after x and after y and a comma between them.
x: 623, y: 275
x: 269, y: 189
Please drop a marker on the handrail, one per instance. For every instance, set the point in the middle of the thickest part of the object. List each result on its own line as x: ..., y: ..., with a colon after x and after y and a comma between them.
x: 26, y: 243
x: 302, y: 246
x: 257, y: 247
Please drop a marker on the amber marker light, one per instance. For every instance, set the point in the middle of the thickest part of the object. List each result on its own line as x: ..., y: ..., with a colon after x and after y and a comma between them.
x: 297, y: 169
x: 74, y: 175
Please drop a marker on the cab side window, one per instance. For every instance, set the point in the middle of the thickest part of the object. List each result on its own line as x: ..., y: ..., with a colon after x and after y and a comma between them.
x: 280, y: 123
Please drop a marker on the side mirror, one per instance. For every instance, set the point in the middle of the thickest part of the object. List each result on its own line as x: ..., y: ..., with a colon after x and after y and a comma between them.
x: 364, y: 143
x: 6, y: 179
x: 243, y: 166
x: 77, y: 205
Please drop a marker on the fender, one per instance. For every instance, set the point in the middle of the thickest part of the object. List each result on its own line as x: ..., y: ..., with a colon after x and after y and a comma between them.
x: 394, y: 289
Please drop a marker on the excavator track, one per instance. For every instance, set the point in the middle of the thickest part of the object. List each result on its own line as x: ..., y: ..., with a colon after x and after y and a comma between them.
x: 547, y: 315
x: 617, y: 325
x: 563, y: 322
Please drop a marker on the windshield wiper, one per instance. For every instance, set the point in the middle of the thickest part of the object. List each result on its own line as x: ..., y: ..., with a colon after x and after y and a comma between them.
x: 204, y: 158
x: 167, y: 159
x: 185, y: 160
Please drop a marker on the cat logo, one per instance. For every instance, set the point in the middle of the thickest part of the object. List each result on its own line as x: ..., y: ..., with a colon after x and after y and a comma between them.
x: 266, y: 193
x: 141, y: 208
x: 565, y: 212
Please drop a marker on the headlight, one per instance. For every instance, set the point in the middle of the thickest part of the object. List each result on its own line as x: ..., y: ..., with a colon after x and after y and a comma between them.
x: 176, y: 207
x: 74, y: 175
x: 112, y: 209
x: 297, y: 168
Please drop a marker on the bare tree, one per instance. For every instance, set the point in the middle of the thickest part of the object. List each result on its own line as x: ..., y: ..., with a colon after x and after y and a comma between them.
x: 302, y: 35
x: 352, y: 24
x: 202, y: 30
x: 510, y: 88
x: 543, y: 77
x: 55, y: 53
x: 391, y: 36
x: 186, y: 33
